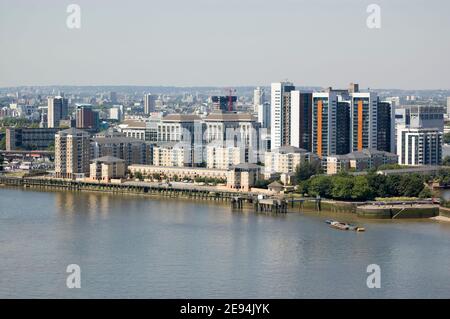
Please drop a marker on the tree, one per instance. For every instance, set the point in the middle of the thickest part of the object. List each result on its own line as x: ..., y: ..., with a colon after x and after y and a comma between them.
x: 426, y: 193
x: 361, y: 189
x: 303, y: 187
x: 3, y: 143
x: 446, y: 161
x: 410, y: 185
x: 51, y: 147
x: 139, y: 176
x: 320, y: 185
x: 378, y: 184
x: 447, y: 138
x: 305, y: 170
x: 342, y: 186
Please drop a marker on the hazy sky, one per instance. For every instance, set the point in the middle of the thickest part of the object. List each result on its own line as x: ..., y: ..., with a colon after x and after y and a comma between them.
x: 226, y: 43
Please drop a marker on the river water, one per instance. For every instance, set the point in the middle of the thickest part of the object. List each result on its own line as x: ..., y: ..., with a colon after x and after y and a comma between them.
x: 141, y: 247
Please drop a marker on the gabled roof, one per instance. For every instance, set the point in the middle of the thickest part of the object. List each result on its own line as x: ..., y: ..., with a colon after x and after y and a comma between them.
x: 275, y: 184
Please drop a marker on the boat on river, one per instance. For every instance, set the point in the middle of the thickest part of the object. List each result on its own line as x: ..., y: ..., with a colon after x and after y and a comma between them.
x: 343, y: 226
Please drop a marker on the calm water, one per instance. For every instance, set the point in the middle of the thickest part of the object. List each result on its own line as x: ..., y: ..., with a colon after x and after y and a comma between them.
x: 130, y: 246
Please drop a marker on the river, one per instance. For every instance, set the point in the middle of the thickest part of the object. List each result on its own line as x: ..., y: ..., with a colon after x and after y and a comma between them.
x: 130, y: 246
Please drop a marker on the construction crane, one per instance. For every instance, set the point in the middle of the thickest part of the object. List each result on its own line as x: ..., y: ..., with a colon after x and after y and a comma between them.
x: 230, y: 98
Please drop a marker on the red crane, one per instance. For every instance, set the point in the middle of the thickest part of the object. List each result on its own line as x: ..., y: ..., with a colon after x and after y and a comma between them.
x: 230, y: 99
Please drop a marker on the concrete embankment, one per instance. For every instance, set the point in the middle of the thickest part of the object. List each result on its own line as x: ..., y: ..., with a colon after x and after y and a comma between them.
x: 444, y: 211
x: 398, y: 211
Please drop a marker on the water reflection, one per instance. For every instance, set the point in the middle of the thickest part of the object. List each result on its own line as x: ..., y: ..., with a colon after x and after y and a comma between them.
x: 136, y: 246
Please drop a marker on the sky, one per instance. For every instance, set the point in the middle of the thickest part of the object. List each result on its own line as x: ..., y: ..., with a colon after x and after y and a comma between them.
x: 226, y: 43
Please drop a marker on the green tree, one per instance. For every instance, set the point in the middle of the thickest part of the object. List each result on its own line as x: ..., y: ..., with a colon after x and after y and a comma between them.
x: 446, y: 161
x: 307, y: 169
x: 393, y: 185
x: 51, y: 147
x: 303, y: 187
x: 139, y: 176
x: 320, y: 185
x: 411, y: 185
x: 342, y: 186
x: 361, y: 189
x: 378, y: 184
x: 426, y: 193
x: 447, y: 138
x: 3, y: 143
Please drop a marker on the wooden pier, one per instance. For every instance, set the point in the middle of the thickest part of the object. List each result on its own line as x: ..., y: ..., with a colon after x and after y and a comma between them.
x: 271, y: 205
x: 125, y: 188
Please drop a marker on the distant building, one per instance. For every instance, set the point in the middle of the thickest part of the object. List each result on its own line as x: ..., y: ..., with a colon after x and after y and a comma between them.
x: 238, y: 129
x: 223, y: 103
x: 172, y: 154
x: 419, y: 146
x: 86, y: 118
x: 385, y: 127
x: 419, y: 131
x: 263, y: 111
x: 363, y: 117
x: 448, y: 106
x: 353, y: 88
x: 113, y: 97
x: 258, y: 98
x: 324, y: 123
x: 186, y: 129
x: 30, y: 138
x: 298, y: 125
x: 58, y: 108
x: 116, y: 113
x: 243, y: 176
x: 142, y: 130
x: 343, y: 127
x: 149, y: 103
x: 106, y: 168
x: 133, y: 151
x: 72, y: 156
x: 286, y: 159
x: 222, y: 156
x: 280, y: 109
x: 181, y: 172
x: 358, y: 161
x: 421, y: 116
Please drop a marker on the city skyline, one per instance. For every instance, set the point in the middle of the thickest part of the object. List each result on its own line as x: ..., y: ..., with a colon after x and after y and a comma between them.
x: 178, y: 44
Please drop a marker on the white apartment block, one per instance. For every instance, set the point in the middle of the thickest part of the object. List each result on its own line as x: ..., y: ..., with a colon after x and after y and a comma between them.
x: 419, y: 146
x: 277, y: 112
x: 286, y: 159
x: 221, y: 156
x: 72, y: 153
x: 172, y: 154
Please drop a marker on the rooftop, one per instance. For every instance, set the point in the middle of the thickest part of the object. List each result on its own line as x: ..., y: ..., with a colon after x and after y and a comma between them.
x: 181, y: 117
x: 290, y: 149
x: 116, y: 140
x: 230, y: 117
x: 72, y: 131
x: 107, y: 159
